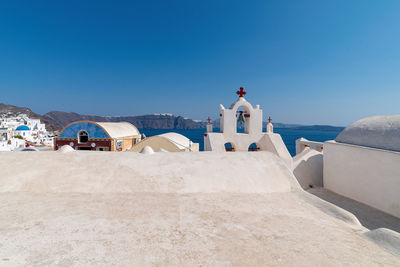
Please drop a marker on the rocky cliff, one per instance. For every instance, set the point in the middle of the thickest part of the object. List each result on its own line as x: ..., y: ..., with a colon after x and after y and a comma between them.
x: 157, y: 121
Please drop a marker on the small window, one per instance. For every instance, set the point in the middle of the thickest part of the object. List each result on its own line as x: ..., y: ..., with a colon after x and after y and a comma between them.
x: 229, y: 147
x: 84, y: 148
x: 254, y: 147
x: 83, y: 137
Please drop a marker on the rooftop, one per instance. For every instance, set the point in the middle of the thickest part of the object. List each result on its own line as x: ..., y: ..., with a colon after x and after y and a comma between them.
x: 193, y: 209
x: 181, y: 141
x: 382, y: 132
x: 22, y: 128
x: 119, y: 129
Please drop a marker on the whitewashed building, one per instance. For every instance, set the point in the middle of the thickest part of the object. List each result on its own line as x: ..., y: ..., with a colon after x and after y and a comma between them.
x: 23, y: 131
x: 252, y: 139
x: 363, y: 163
x: 169, y: 142
x: 32, y: 132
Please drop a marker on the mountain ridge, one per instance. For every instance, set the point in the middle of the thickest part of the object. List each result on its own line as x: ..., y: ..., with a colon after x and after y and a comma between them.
x: 15, y: 111
x: 56, y: 120
x: 153, y: 121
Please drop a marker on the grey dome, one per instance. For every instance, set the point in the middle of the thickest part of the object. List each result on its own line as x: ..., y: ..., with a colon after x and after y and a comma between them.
x: 381, y: 132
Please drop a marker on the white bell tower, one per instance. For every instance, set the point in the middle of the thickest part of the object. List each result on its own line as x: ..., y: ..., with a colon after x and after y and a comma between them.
x: 253, y: 138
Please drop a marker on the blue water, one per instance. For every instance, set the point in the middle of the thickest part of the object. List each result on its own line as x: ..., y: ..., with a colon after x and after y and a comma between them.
x: 289, y: 136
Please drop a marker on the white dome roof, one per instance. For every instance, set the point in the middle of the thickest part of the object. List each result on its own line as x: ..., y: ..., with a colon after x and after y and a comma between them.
x: 381, y: 132
x: 22, y: 128
x: 181, y: 141
x: 147, y: 150
x: 65, y: 149
x: 119, y: 129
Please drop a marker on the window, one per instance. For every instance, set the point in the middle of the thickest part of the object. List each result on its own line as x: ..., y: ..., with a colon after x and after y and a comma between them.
x: 84, y: 148
x: 254, y: 147
x: 229, y: 147
x: 83, y: 137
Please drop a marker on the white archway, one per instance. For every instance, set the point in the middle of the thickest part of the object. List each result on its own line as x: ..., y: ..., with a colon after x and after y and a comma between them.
x: 248, y: 110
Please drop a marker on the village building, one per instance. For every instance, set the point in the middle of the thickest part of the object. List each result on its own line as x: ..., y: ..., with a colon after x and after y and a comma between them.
x: 361, y: 164
x: 8, y: 142
x: 366, y: 153
x: 36, y: 125
x: 99, y: 136
x: 23, y: 131
x: 4, y: 134
x: 252, y: 139
x: 32, y: 132
x: 170, y: 142
x: 12, y: 144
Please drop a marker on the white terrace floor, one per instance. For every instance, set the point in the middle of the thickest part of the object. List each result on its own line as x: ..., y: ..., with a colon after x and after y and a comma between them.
x: 369, y: 217
x: 170, y: 209
x: 174, y: 229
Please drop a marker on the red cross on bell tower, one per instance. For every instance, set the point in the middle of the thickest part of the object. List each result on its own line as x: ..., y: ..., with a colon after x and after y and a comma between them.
x: 209, y: 119
x: 269, y: 119
x: 241, y: 92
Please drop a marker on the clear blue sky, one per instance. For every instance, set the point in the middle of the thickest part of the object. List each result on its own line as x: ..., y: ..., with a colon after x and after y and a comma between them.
x: 308, y: 62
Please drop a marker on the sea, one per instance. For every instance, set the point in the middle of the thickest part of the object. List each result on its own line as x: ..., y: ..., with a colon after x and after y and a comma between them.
x: 289, y: 136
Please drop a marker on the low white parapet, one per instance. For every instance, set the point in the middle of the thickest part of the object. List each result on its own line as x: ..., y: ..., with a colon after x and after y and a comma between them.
x: 303, y: 143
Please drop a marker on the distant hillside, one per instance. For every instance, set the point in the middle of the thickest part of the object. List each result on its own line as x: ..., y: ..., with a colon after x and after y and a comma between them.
x: 280, y: 125
x: 15, y: 111
x: 56, y: 120
x: 158, y: 121
x: 318, y: 128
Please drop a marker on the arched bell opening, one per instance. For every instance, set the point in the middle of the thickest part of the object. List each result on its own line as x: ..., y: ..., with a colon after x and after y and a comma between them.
x: 254, y: 147
x: 229, y: 147
x: 242, y: 119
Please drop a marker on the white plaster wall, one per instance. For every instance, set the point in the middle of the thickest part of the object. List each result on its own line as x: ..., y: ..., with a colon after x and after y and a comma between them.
x: 253, y: 124
x: 368, y: 175
x: 270, y: 142
x: 253, y: 133
x: 303, y: 143
x: 308, y: 168
x: 17, y: 143
x: 273, y: 142
x: 228, y: 120
x: 213, y: 142
x: 25, y: 134
x: 4, y: 146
